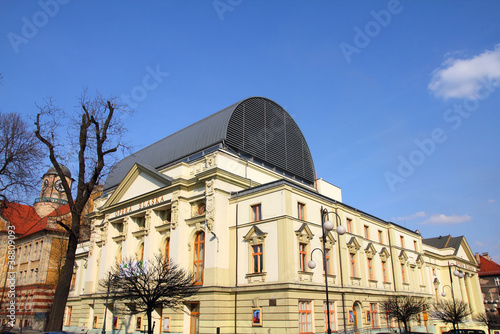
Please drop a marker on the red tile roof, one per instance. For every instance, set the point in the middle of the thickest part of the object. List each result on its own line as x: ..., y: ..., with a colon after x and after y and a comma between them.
x: 26, y: 220
x: 488, y: 267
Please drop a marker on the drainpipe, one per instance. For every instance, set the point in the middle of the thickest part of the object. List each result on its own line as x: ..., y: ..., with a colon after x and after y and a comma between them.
x: 236, y: 278
x: 392, y: 261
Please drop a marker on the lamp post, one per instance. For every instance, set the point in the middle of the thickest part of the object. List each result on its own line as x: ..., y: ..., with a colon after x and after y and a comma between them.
x: 110, y: 278
x: 326, y: 227
x: 459, y: 274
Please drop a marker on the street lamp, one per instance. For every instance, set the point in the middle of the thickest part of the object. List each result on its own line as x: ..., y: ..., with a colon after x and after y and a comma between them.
x: 459, y: 274
x: 327, y: 226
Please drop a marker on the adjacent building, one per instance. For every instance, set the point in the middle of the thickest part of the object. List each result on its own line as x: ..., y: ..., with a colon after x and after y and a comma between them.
x: 489, y: 278
x: 234, y: 198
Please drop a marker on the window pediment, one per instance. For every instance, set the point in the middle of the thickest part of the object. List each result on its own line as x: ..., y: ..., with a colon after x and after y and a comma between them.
x: 384, y: 254
x: 255, y: 236
x: 353, y: 245
x: 370, y: 251
x: 403, y: 257
x: 304, y: 234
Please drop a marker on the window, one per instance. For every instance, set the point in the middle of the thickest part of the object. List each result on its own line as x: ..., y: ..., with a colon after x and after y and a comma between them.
x: 327, y: 261
x: 370, y: 269
x: 352, y: 258
x: 25, y: 256
x: 402, y: 239
x: 367, y: 232
x: 35, y: 255
x: 374, y: 315
x: 403, y: 276
x: 302, y: 257
x: 256, y: 213
x: 301, y: 211
x: 349, y: 225
x: 195, y: 316
x: 140, y: 253
x: 415, y: 245
x: 384, y: 271
x: 198, y: 257
x: 332, y: 316
x: 29, y: 252
x: 41, y: 249
x: 257, y: 259
x: 95, y: 322
x: 380, y: 237
x: 73, y: 281
x: 67, y: 317
x: 305, y: 317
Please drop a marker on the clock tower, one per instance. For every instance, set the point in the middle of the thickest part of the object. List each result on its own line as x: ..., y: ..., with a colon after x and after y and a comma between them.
x: 52, y: 195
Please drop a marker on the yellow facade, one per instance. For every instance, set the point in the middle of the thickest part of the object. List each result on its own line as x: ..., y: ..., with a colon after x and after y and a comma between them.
x: 259, y: 227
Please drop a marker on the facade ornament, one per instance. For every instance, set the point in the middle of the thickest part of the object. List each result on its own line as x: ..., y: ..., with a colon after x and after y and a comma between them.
x: 104, y: 232
x: 147, y: 221
x: 175, y: 209
x: 210, y: 204
x: 126, y: 221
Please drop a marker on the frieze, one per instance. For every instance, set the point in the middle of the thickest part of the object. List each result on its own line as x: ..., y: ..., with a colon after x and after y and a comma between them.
x: 203, y: 165
x: 142, y: 205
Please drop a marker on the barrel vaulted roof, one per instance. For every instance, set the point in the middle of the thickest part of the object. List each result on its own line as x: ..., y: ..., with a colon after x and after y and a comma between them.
x: 256, y: 127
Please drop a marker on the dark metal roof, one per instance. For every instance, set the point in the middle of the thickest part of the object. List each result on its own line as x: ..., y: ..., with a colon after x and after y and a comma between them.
x: 444, y: 242
x: 256, y: 127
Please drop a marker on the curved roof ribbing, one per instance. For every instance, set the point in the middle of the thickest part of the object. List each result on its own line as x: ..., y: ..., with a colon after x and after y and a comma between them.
x: 256, y: 127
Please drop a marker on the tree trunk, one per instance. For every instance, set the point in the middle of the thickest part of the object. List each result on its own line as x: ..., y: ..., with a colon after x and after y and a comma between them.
x: 149, y: 314
x: 56, y: 316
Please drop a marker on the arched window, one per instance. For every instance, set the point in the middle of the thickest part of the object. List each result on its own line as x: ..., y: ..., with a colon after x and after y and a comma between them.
x: 198, y: 257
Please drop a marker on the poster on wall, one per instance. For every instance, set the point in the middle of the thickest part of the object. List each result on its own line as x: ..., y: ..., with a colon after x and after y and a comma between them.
x: 257, y: 317
x: 351, y: 316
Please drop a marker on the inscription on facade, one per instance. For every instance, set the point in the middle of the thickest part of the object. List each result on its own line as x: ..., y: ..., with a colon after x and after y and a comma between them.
x: 142, y: 205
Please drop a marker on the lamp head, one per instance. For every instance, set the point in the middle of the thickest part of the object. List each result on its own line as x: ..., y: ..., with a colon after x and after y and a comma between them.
x: 328, y: 225
x: 443, y: 294
x: 341, y: 230
x: 311, y: 264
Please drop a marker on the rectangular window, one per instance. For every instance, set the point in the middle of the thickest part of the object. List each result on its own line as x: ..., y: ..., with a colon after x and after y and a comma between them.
x: 327, y: 262
x: 256, y: 212
x: 402, y: 239
x: 403, y: 276
x: 353, y: 264
x: 332, y: 316
x: 349, y: 225
x: 384, y: 271
x: 370, y: 269
x: 303, y: 257
x: 199, y: 258
x: 380, y: 237
x: 415, y: 245
x: 257, y: 259
x: 301, y: 211
x: 67, y: 317
x: 195, y: 318
x: 367, y: 232
x: 95, y: 322
x: 305, y: 317
x: 374, y: 315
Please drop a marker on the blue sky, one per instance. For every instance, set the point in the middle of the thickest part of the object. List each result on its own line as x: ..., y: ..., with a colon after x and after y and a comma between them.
x: 399, y: 100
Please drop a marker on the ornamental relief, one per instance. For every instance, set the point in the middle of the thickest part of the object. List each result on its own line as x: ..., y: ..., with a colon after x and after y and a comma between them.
x: 147, y: 221
x: 175, y: 209
x: 210, y: 203
x: 207, y: 163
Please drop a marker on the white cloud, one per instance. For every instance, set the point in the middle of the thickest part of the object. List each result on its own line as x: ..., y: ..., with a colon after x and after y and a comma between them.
x: 491, y: 201
x: 442, y: 219
x: 419, y: 214
x: 465, y: 78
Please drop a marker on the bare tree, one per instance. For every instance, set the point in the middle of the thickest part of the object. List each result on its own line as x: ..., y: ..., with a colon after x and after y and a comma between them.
x: 96, y: 133
x: 404, y: 308
x: 490, y: 320
x: 145, y: 286
x: 20, y: 157
x: 451, y: 312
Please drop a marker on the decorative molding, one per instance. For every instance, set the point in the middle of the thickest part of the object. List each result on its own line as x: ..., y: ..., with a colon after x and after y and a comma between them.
x: 304, y: 234
x: 210, y: 204
x: 175, y: 209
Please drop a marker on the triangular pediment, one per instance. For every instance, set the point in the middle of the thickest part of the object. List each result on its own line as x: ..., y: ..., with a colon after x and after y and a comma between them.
x: 140, y: 179
x: 304, y: 233
x: 403, y: 257
x: 255, y: 235
x: 465, y: 253
x: 370, y: 250
x: 384, y: 254
x: 353, y: 245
